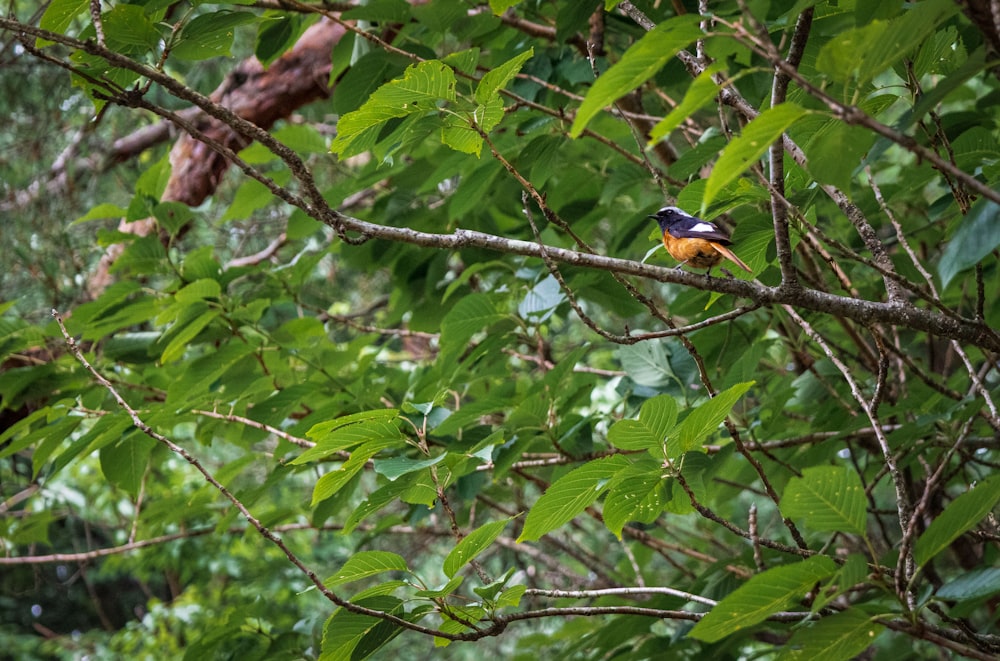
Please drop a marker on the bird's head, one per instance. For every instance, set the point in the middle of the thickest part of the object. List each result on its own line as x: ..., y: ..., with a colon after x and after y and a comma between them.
x: 667, y: 216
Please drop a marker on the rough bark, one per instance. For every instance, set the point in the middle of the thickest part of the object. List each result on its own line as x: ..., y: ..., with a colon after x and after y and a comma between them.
x: 259, y: 95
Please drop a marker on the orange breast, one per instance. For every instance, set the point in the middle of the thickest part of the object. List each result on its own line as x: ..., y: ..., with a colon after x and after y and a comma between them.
x: 697, y: 253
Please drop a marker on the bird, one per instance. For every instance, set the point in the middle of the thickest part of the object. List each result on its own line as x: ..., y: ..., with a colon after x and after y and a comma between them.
x: 694, y: 241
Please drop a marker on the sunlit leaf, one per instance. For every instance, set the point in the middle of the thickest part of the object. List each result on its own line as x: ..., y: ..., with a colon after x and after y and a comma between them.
x: 826, y: 498
x: 961, y: 515
x: 764, y: 594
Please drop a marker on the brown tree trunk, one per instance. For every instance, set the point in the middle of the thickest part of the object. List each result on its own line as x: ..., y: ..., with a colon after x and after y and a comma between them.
x: 262, y: 96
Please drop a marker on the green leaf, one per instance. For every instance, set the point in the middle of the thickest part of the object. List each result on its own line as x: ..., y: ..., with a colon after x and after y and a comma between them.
x: 826, y: 499
x: 961, y: 515
x: 500, y: 6
x: 442, y: 591
x: 705, y: 420
x: 761, y: 596
x: 61, y: 428
x: 498, y: 77
x: 470, y: 315
x: 836, y: 151
x: 978, y: 235
x: 838, y: 58
x: 58, y: 16
x: 973, y: 585
x: 656, y: 420
x: 511, y: 597
x: 181, y: 338
x: 472, y: 545
x: 330, y: 483
x: 395, y: 467
x: 838, y: 637
x: 637, y: 493
x: 570, y: 495
x: 101, y: 211
x: 355, y: 636
x: 753, y: 143
x: 124, y: 463
x: 903, y: 35
x: 199, y: 290
x: 277, y: 33
x: 348, y: 431
x: 364, y: 564
x: 541, y: 300
x: 172, y: 216
x: 210, y: 35
x: 699, y: 93
x: 639, y: 63
x: 883, y: 42
x: 380, y: 498
x: 458, y: 131
x: 129, y: 30
x: 420, y: 89
x: 646, y: 363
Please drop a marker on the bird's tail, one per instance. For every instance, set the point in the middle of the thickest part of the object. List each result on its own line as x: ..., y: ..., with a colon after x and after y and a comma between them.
x: 731, y: 256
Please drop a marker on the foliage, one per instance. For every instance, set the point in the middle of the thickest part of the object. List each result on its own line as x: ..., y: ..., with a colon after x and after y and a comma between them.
x: 454, y: 406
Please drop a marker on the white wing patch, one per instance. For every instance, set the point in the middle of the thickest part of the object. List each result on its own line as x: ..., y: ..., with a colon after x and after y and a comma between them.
x: 702, y: 227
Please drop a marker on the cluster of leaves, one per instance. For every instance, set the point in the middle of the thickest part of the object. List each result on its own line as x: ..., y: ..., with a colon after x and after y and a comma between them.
x: 394, y: 431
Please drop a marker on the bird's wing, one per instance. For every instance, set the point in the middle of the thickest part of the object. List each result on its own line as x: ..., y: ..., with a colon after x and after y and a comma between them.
x: 695, y: 228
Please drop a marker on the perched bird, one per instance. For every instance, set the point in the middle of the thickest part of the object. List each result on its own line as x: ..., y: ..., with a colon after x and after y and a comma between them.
x: 694, y: 241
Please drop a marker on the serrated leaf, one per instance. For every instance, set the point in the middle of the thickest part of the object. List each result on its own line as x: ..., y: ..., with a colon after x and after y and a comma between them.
x: 199, y: 290
x: 470, y: 315
x: 978, y: 235
x: 961, y: 515
x: 838, y: 637
x: 419, y: 90
x: 210, y: 35
x: 349, y: 431
x: 838, y: 58
x: 646, y: 363
x: 395, y: 467
x: 904, y: 34
x: 973, y: 585
x: 345, y: 632
x: 498, y: 77
x: 637, y: 493
x: 570, y: 495
x: 761, y: 596
x: 277, y: 34
x: 700, y: 92
x: 441, y: 592
x: 380, y: 498
x: 330, y: 483
x: 61, y: 428
x: 472, y: 545
x: 129, y: 30
x: 705, y: 420
x: 180, y: 338
x: 657, y: 418
x: 458, y: 131
x: 750, y: 145
x: 827, y: 499
x: 511, y: 597
x: 320, y: 430
x: 541, y: 300
x: 101, y: 211
x: 124, y: 463
x: 364, y: 564
x: 58, y: 16
x: 639, y: 63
